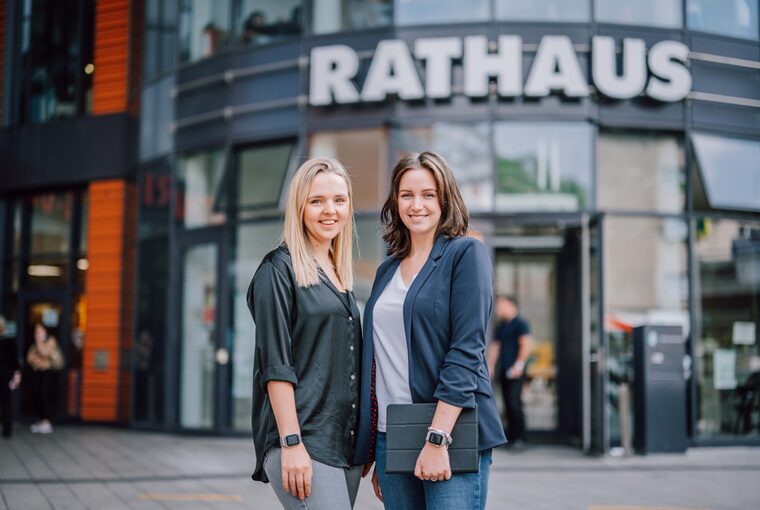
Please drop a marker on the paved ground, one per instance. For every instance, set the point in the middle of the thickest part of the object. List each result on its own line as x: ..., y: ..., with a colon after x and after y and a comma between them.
x: 104, y: 468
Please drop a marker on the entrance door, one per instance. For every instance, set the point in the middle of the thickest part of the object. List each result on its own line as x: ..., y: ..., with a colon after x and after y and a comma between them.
x: 203, y: 357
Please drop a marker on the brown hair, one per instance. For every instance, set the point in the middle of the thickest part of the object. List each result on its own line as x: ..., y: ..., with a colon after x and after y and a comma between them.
x: 454, y: 215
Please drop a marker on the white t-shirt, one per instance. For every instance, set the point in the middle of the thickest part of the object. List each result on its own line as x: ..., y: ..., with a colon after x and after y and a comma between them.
x: 391, y: 355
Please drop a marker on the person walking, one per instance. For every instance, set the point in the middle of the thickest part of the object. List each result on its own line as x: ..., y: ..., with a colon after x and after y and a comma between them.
x: 308, y: 346
x: 510, y: 350
x: 425, y: 337
x: 10, y: 376
x: 44, y: 358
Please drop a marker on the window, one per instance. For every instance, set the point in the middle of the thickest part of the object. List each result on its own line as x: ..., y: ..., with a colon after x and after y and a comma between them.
x: 543, y: 166
x: 543, y: 10
x: 200, y: 189
x: 465, y: 148
x: 261, y: 172
x: 160, y: 50
x: 264, y: 21
x: 727, y: 299
x: 736, y: 18
x: 204, y: 28
x: 729, y: 171
x: 655, y: 13
x: 338, y: 15
x: 364, y: 154
x: 637, y: 172
x: 429, y: 12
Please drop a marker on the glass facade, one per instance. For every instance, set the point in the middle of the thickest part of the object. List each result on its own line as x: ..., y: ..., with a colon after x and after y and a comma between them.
x: 265, y: 21
x: 737, y: 18
x: 330, y: 16
x: 200, y: 189
x: 429, y: 12
x: 204, y: 28
x: 656, y: 13
x: 543, y: 10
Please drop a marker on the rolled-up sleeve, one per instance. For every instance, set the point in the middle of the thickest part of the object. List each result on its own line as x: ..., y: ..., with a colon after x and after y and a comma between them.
x: 470, y: 310
x: 270, y: 300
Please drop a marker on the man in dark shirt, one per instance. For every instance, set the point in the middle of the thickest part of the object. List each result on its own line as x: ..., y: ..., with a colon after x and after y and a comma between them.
x: 10, y: 376
x: 511, y: 349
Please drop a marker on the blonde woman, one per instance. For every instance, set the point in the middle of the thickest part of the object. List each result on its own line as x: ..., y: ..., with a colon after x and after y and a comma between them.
x: 308, y: 347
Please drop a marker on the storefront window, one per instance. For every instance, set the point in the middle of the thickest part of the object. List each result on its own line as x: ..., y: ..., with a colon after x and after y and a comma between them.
x: 645, y: 283
x: 735, y: 18
x: 51, y: 223
x: 338, y: 15
x: 264, y: 21
x: 637, y: 172
x: 543, y: 166
x: 729, y: 175
x: 200, y: 189
x: 727, y: 297
x: 543, y: 10
x: 364, y: 154
x: 261, y: 175
x: 466, y: 149
x: 428, y: 12
x: 656, y: 13
x: 204, y: 28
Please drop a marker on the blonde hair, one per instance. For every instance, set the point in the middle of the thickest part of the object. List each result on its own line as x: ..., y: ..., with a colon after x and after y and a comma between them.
x: 294, y: 232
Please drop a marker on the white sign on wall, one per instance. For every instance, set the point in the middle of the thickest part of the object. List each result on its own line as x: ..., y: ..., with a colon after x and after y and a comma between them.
x: 661, y: 73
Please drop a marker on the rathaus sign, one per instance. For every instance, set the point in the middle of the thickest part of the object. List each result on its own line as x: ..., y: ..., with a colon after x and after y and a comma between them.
x: 660, y: 73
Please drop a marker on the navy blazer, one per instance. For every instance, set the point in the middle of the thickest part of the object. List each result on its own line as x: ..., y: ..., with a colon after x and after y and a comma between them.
x: 446, y: 315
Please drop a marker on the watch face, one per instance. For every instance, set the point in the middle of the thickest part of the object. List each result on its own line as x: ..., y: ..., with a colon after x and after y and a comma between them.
x: 292, y: 440
x: 436, y: 439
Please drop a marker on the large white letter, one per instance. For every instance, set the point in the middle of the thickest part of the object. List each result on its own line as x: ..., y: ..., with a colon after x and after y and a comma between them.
x: 604, y: 67
x: 438, y: 54
x: 331, y: 71
x: 671, y: 80
x: 479, y: 65
x: 556, y: 68
x: 392, y: 71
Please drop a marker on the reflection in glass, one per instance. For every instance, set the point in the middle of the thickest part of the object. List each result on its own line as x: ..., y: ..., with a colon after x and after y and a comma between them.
x: 465, y: 148
x: 543, y: 166
x: 261, y: 172
x: 253, y: 242
x: 543, y: 10
x: 51, y: 223
x: 727, y: 297
x: 645, y: 264
x: 729, y: 170
x: 265, y: 21
x: 736, y: 18
x: 204, y: 28
x: 656, y: 13
x: 364, y: 154
x: 427, y: 12
x: 640, y: 172
x: 201, y: 193
x: 330, y: 16
x: 198, y: 343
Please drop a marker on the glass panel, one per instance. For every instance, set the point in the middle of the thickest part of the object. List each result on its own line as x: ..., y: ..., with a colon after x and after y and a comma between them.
x: 645, y: 264
x: 160, y: 36
x: 427, y: 12
x: 266, y: 21
x: 640, y: 172
x: 543, y: 166
x: 74, y: 355
x: 198, y: 343
x: 254, y: 241
x: 200, y: 179
x: 204, y: 27
x: 730, y: 171
x: 727, y: 297
x: 369, y: 252
x: 532, y: 280
x: 51, y: 223
x: 17, y: 210
x: 364, y: 154
x: 261, y: 172
x: 465, y: 147
x: 83, y: 222
x: 543, y: 10
x: 338, y: 15
x: 737, y: 18
x: 656, y: 13
x: 595, y: 358
x: 154, y: 198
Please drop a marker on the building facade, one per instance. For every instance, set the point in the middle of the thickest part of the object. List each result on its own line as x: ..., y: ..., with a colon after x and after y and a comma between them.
x: 607, y: 149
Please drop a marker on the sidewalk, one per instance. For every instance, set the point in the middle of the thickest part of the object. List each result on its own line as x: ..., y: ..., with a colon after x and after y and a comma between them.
x: 82, y: 467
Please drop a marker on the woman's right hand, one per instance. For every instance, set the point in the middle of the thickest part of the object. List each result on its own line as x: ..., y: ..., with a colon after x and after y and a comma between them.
x: 296, y: 471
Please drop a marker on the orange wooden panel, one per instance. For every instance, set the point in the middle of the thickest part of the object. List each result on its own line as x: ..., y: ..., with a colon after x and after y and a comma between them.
x: 112, y: 46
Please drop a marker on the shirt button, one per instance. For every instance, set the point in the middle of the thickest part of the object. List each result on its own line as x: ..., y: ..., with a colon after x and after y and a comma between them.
x: 350, y: 317
x: 353, y: 406
x: 352, y: 432
x: 353, y: 377
x: 351, y: 347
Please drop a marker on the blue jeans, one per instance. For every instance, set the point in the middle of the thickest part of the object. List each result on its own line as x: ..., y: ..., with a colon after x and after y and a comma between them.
x: 407, y: 492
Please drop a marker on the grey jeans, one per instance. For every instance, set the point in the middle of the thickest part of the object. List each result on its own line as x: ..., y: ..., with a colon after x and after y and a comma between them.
x: 331, y: 488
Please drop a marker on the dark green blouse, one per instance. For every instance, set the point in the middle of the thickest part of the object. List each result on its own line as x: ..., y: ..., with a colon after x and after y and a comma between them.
x: 310, y: 337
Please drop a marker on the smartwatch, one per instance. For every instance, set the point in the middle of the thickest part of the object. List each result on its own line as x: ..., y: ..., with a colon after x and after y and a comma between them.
x: 437, y: 437
x: 290, y: 440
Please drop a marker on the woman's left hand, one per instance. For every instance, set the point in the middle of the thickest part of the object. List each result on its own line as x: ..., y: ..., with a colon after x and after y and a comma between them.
x: 433, y: 464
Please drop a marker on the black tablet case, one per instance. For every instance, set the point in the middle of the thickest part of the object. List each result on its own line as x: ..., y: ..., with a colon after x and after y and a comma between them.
x: 406, y: 428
